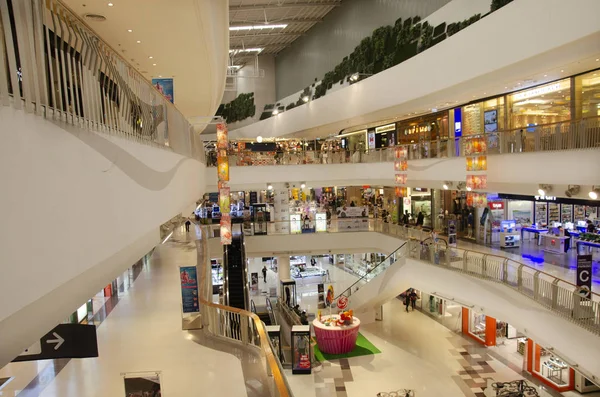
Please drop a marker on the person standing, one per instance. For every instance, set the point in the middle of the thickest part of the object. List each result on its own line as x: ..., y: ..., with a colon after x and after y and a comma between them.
x: 187, y: 225
x: 407, y: 301
x: 264, y: 272
x: 420, y: 219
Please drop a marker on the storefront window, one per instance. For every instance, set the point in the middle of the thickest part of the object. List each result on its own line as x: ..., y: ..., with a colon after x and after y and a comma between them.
x: 424, y: 134
x: 546, y: 104
x: 587, y: 95
x: 551, y: 367
x: 477, y: 325
x: 521, y: 212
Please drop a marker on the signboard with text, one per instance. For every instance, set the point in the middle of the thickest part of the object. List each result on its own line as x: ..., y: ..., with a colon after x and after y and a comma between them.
x: 189, y: 289
x: 64, y: 341
x: 584, y: 276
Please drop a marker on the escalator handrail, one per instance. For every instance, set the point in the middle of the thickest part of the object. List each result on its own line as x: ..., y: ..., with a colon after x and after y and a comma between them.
x: 371, y: 270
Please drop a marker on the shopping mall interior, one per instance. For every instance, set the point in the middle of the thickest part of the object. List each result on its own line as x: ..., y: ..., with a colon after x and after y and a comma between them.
x: 277, y: 198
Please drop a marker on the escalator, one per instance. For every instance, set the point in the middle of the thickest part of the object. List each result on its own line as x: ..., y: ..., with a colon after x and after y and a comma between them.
x: 236, y: 282
x: 265, y: 316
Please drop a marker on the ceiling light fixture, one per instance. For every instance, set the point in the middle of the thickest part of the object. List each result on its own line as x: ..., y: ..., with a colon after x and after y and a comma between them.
x: 110, y: 4
x: 275, y: 112
x: 305, y: 98
x: 153, y: 64
x: 544, y: 189
x: 259, y: 139
x: 139, y: 41
x: 354, y: 77
x: 258, y: 27
x: 469, y: 188
x: 238, y: 50
x: 573, y: 190
x: 594, y: 193
x: 269, y: 186
x: 302, y: 185
x: 150, y: 57
x: 130, y: 30
x: 447, y: 185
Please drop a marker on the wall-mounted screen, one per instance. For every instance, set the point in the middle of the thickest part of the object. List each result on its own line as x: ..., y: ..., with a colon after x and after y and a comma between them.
x: 490, y: 120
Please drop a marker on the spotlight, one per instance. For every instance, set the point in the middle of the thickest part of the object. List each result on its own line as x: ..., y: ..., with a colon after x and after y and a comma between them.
x: 354, y: 77
x: 305, y: 98
x: 275, y: 112
x: 447, y: 185
x: 302, y: 185
x: 269, y: 187
x: 469, y: 188
x: 461, y: 185
x: 573, y: 190
x: 544, y: 190
x: 594, y: 193
x: 259, y: 139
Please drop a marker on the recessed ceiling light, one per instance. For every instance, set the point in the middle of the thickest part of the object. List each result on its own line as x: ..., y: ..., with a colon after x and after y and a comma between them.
x: 153, y: 64
x: 139, y: 41
x: 130, y: 30
x: 150, y: 57
x: 159, y: 75
x: 545, y: 75
x: 597, y: 59
x: 110, y: 4
x: 505, y: 88
x: 484, y: 93
x: 562, y: 71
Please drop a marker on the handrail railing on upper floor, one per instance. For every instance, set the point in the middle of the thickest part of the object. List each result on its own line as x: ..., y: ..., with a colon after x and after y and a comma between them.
x: 237, y: 325
x: 54, y: 65
x: 567, y: 135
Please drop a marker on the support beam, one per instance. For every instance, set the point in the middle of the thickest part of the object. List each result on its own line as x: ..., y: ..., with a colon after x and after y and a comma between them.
x: 246, y: 22
x: 249, y: 35
x: 260, y: 7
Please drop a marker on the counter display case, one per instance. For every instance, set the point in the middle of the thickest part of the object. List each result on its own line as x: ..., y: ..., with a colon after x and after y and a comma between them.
x: 301, y: 362
x: 541, y: 214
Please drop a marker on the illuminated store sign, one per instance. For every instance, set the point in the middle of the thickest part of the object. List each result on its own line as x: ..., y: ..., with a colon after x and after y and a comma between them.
x: 417, y: 128
x: 545, y: 198
x: 385, y: 128
x: 537, y: 92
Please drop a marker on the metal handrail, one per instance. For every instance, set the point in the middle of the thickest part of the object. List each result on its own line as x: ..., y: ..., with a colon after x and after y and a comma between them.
x: 381, y: 266
x: 237, y: 325
x: 581, y: 133
x: 57, y: 67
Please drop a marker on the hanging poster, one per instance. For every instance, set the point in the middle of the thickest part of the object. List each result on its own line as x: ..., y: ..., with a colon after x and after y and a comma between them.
x: 165, y: 87
x: 225, y: 229
x: 224, y: 202
x: 222, y: 137
x: 189, y: 289
x: 222, y: 167
x: 254, y: 281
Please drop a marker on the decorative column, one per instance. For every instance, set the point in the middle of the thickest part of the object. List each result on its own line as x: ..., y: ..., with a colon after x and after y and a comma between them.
x: 476, y: 158
x: 281, y: 206
x: 283, y: 267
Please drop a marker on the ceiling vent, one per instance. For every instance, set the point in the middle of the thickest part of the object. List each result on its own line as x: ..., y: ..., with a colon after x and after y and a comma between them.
x: 95, y: 17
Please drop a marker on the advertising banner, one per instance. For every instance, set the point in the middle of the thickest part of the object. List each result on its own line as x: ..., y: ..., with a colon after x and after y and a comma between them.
x: 225, y: 229
x: 295, y: 224
x: 254, y: 281
x: 352, y: 212
x: 222, y: 168
x: 584, y: 276
x: 253, y: 198
x: 353, y: 224
x: 224, y: 203
x: 189, y: 289
x: 222, y: 137
x: 165, y: 87
x: 321, y: 221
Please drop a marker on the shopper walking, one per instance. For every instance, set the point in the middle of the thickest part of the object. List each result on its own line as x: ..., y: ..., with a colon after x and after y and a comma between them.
x: 405, y: 217
x: 187, y: 225
x: 264, y: 272
x: 407, y: 301
x: 413, y: 299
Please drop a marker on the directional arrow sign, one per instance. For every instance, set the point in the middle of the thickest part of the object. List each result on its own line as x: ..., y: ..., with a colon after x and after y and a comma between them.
x: 64, y: 341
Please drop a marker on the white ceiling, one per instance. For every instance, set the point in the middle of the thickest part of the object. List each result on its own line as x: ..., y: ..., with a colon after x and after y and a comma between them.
x: 186, y: 40
x: 299, y: 15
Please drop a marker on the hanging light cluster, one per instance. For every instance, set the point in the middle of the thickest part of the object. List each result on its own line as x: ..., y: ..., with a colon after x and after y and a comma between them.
x: 401, y: 169
x: 223, y: 176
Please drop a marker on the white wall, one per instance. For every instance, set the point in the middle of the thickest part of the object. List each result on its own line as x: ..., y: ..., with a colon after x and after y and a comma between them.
x: 551, y: 34
x: 519, y: 173
x: 77, y: 209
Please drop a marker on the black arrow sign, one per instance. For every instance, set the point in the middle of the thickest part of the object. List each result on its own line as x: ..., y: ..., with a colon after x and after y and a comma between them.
x: 65, y: 341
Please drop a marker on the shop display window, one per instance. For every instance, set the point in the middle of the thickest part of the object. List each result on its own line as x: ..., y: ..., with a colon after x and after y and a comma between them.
x: 550, y: 367
x: 587, y: 94
x: 477, y: 325
x: 549, y: 103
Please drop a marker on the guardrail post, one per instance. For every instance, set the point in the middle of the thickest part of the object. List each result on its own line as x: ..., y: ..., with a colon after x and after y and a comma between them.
x: 465, y: 262
x: 536, y: 285
x: 520, y: 276
x: 484, y: 265
x: 244, y: 329
x: 554, y: 293
x: 505, y: 271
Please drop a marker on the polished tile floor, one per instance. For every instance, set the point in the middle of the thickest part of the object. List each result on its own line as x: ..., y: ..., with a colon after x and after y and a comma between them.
x: 416, y: 353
